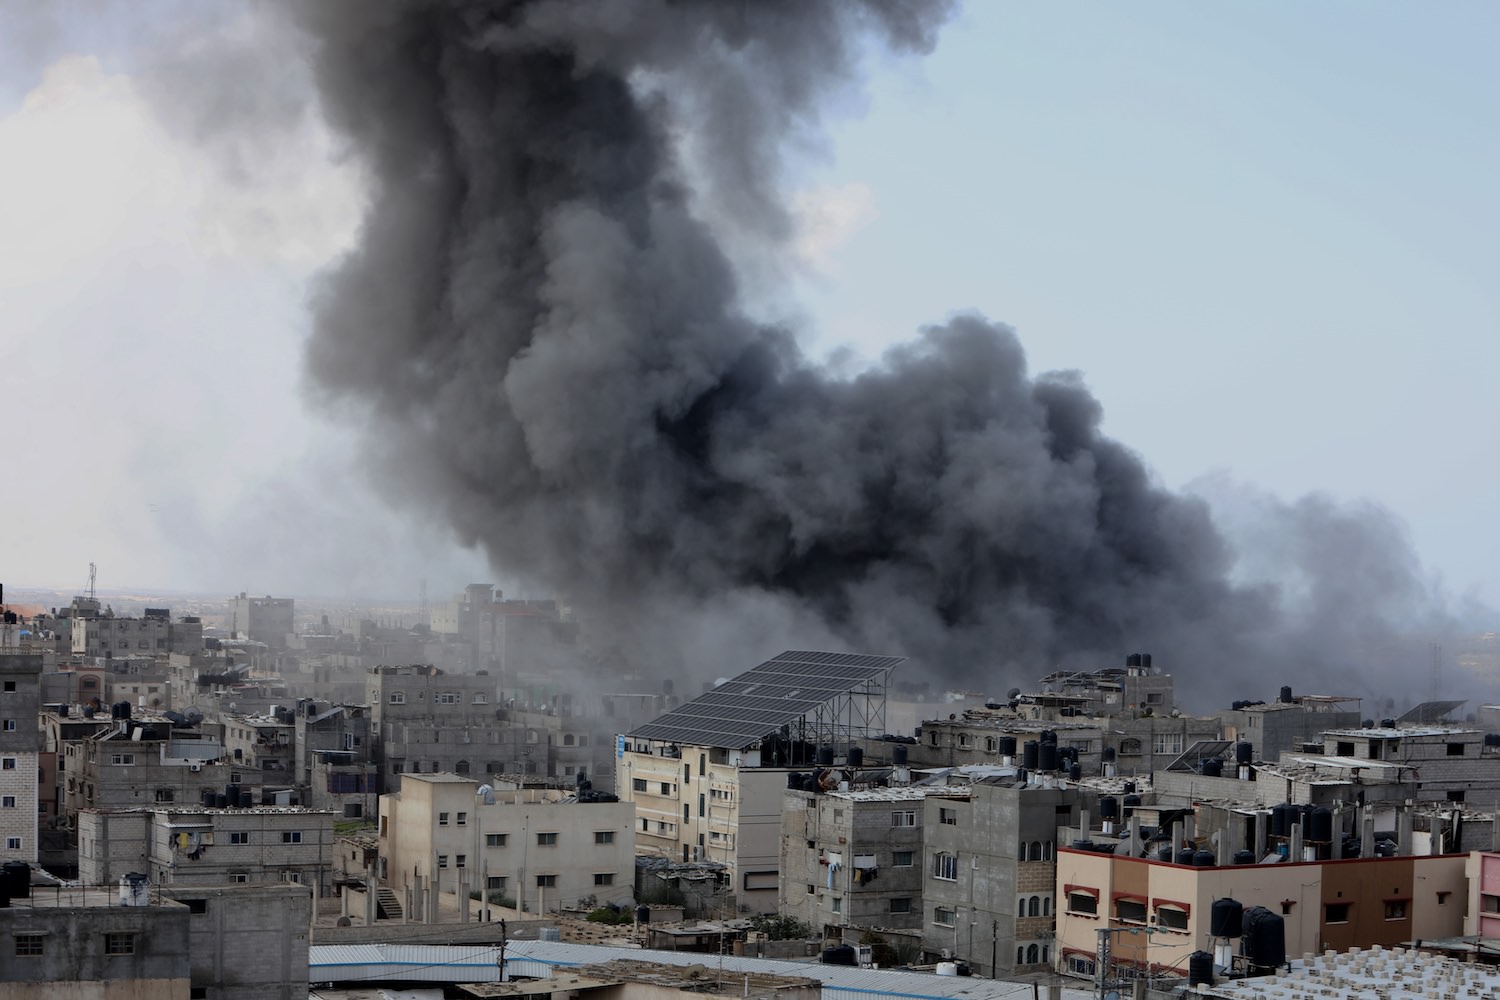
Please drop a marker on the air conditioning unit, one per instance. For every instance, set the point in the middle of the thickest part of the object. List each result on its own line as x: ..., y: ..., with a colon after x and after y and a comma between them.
x: 195, y: 767
x: 947, y: 954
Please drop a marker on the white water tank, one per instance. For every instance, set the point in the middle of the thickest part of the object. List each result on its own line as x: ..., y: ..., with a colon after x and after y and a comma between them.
x: 947, y: 968
x: 135, y: 889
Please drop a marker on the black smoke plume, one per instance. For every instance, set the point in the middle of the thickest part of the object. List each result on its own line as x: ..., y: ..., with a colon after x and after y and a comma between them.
x: 548, y: 342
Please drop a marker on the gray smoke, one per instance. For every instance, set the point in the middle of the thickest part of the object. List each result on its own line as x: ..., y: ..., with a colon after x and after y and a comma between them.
x: 548, y: 343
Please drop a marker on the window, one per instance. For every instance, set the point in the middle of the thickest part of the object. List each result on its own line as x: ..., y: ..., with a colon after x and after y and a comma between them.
x: 1130, y: 747
x: 7, y: 801
x: 122, y: 758
x: 198, y: 993
x: 239, y: 877
x: 811, y: 888
x: 495, y: 839
x: 945, y: 866
x: 118, y: 943
x: 398, y: 698
x: 460, y: 861
x: 7, y: 763
x: 1395, y: 909
x: 495, y: 882
x: 901, y: 904
x: 1168, y: 743
x: 1456, y: 795
x: 28, y: 945
x: 904, y: 817
x: 353, y: 810
x: 442, y: 861
x: 546, y: 881
x: 12, y: 843
x: 1336, y: 913
x: 165, y: 795
x: 948, y: 817
x: 1033, y: 954
x: 1344, y: 748
x: 638, y: 784
x: 462, y: 819
x: 1171, y: 918
x: 666, y: 788
x: 604, y: 878
x: 964, y: 742
x: 462, y: 767
x: 944, y: 916
x: 442, y: 819
x: 1454, y: 749
x: 239, y: 836
x: 604, y: 836
x: 546, y: 840
x: 1081, y: 965
x: 902, y: 859
x: 1083, y: 902
x: 291, y: 836
x: 10, y: 685
x: 1132, y: 911
x: 838, y: 904
x: 10, y: 725
x: 448, y: 698
x: 196, y: 905
x: 1033, y: 907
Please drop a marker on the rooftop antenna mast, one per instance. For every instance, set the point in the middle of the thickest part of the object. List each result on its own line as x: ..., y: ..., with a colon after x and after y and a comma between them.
x: 423, y: 616
x: 93, y: 572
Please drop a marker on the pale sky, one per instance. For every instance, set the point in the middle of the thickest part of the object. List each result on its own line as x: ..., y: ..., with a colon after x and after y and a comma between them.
x: 1263, y: 233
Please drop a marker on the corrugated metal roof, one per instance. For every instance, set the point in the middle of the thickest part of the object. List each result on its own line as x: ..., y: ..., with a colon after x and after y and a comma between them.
x: 458, y: 963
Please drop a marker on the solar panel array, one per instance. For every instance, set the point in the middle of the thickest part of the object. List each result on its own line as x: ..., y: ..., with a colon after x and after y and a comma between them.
x: 760, y: 701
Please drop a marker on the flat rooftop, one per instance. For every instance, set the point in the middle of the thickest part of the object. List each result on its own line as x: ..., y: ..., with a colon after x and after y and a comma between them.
x: 1373, y: 974
x: 1400, y: 733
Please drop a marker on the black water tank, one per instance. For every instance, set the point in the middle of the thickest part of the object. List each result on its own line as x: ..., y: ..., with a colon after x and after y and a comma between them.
x: 1133, y: 659
x: 1281, y: 819
x: 124, y: 709
x: 4, y: 896
x: 1213, y: 768
x: 794, y: 780
x: 898, y: 755
x: 1083, y: 845
x: 1046, y: 757
x: 17, y: 875
x: 1204, y: 859
x: 1244, y: 857
x: 1244, y: 753
x: 247, y: 797
x: 1008, y: 746
x: 1164, y: 852
x: 1264, y: 940
x: 208, y: 797
x: 1367, y: 724
x: 1200, y: 968
x: 1387, y: 723
x: 840, y: 955
x: 1109, y: 807
x: 1107, y: 755
x: 643, y: 914
x: 1286, y: 694
x: 1224, y: 919
x: 220, y: 802
x: 1029, y: 755
x: 1131, y: 801
x: 1075, y: 773
x: 88, y: 711
x: 1321, y: 827
x: 825, y: 756
x: 856, y: 757
x: 232, y: 796
x: 1146, y: 661
x: 1185, y: 856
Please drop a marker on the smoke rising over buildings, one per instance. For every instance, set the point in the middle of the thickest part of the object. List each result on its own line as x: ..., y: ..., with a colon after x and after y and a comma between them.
x: 547, y: 340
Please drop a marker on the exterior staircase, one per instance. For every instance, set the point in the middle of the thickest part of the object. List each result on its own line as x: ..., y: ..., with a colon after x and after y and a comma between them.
x: 387, y: 903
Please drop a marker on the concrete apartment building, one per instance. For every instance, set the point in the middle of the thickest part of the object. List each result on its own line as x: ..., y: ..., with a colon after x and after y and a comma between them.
x: 543, y: 848
x: 707, y: 778
x: 854, y: 859
x: 85, y: 943
x: 1112, y: 691
x: 246, y: 942
x: 426, y: 721
x: 21, y: 745
x: 152, y: 634
x: 989, y: 872
x: 268, y: 620
x: 208, y: 846
x: 1274, y: 727
x: 265, y: 743
x: 503, y: 635
x: 1450, y: 763
x: 1324, y: 904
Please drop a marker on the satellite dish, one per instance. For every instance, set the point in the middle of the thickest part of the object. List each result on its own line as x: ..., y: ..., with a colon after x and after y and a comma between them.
x: 1014, y: 693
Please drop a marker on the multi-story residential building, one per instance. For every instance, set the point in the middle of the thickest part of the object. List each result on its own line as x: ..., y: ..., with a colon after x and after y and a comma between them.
x: 1274, y: 727
x: 1136, y: 687
x: 81, y: 942
x: 542, y: 848
x: 208, y: 845
x: 503, y: 635
x: 1450, y: 762
x: 265, y: 743
x: 1354, y: 903
x: 268, y: 620
x: 246, y: 942
x: 20, y: 755
x: 152, y: 634
x: 707, y: 778
x: 854, y: 859
x: 989, y: 869
x: 426, y: 721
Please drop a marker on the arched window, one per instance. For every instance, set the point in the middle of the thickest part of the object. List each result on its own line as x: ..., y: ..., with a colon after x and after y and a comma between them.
x: 991, y: 744
x: 493, y: 767
x: 1047, y: 851
x: 1130, y: 747
x: 1032, y: 955
x: 1045, y: 959
x: 1046, y: 906
x: 1034, y: 907
x: 462, y: 767
x: 1021, y: 955
x: 1035, y: 854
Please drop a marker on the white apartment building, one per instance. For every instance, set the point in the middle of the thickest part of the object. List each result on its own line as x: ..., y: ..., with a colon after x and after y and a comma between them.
x: 541, y: 848
x: 20, y: 761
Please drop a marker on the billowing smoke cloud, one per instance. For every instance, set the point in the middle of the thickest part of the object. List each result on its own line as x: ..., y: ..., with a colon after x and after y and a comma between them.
x: 548, y: 342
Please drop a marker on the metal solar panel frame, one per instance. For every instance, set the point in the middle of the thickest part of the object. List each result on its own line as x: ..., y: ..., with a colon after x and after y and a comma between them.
x: 1431, y: 712
x: 1200, y: 750
x: 819, y: 696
